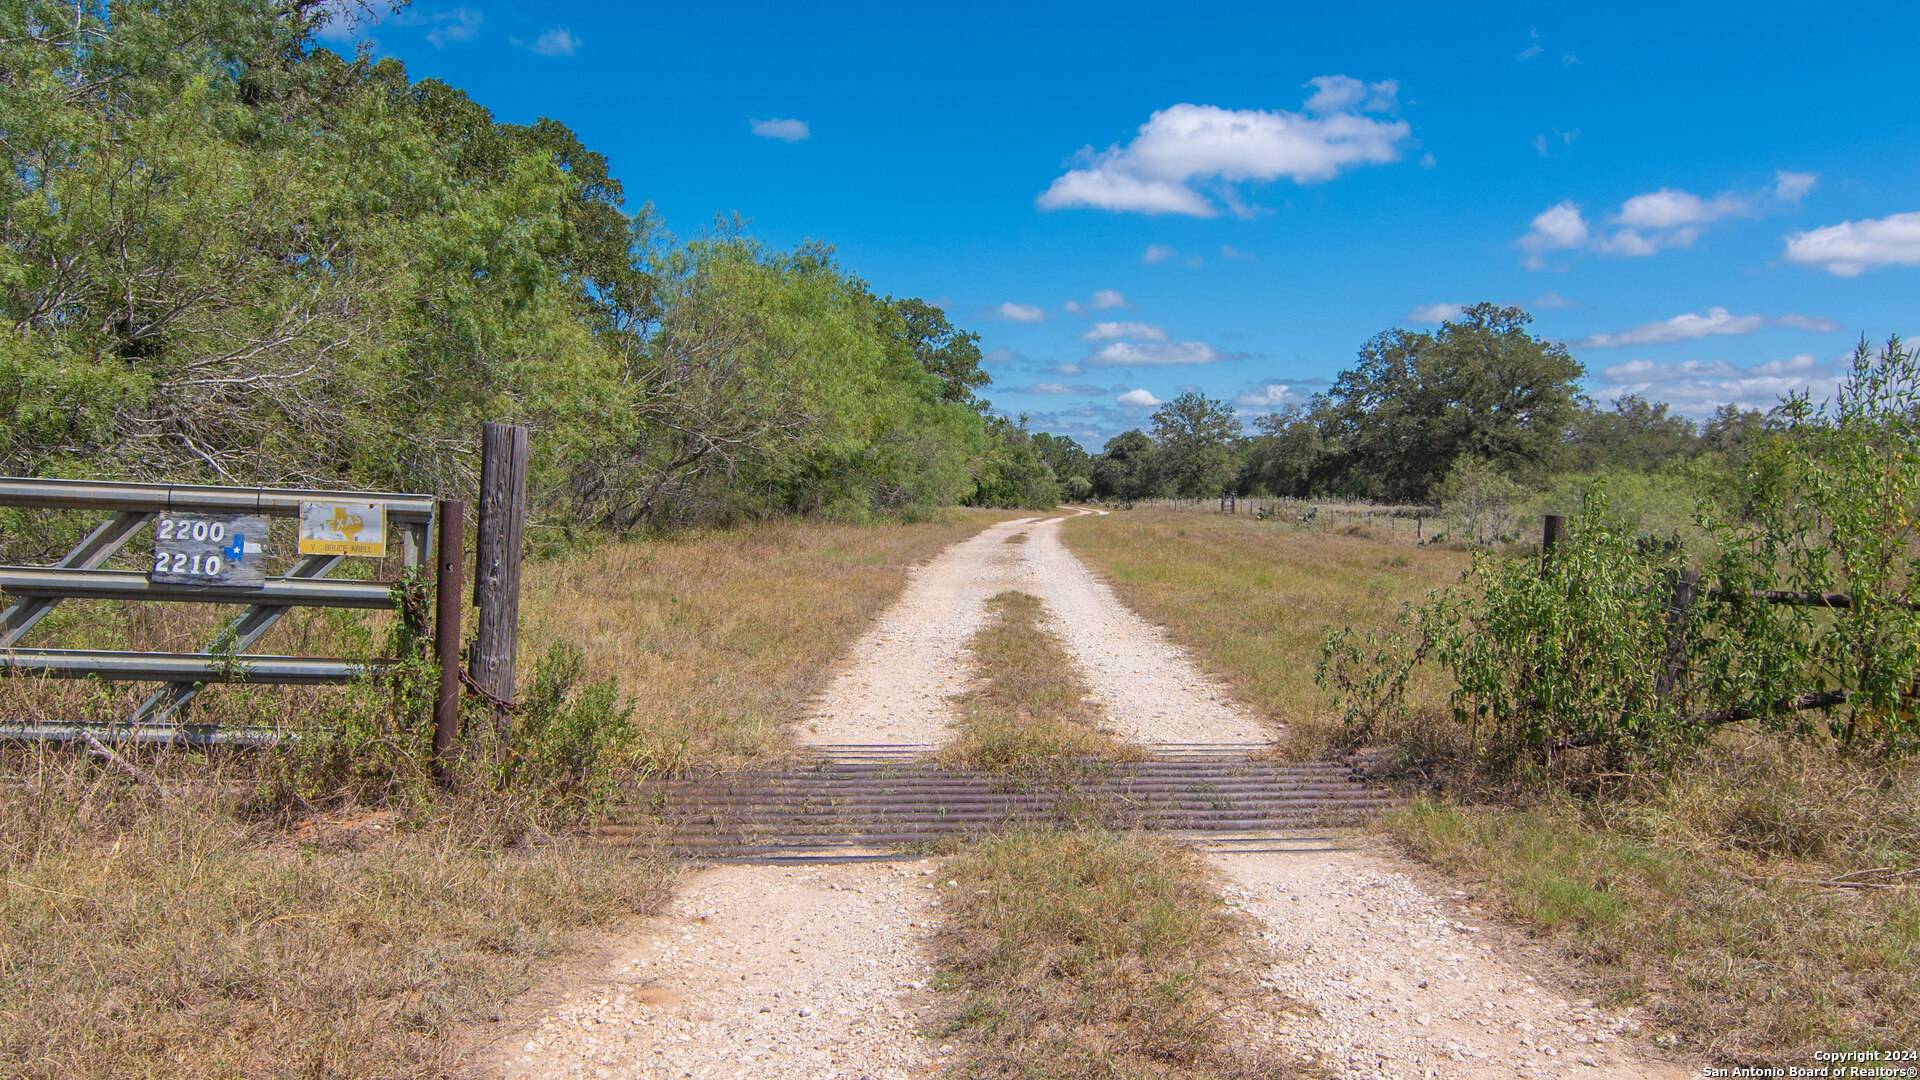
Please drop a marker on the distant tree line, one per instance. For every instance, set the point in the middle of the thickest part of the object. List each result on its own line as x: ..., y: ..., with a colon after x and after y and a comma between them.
x: 1479, y: 401
x: 227, y: 254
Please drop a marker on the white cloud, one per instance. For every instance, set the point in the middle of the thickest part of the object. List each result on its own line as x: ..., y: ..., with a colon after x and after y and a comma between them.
x: 1343, y: 94
x: 1853, y: 247
x: 1557, y: 228
x: 1697, y: 387
x: 1017, y: 312
x: 1716, y: 322
x: 1159, y: 253
x: 462, y: 24
x: 1102, y: 300
x: 1234, y: 254
x: 1062, y: 389
x: 1067, y: 369
x: 1186, y: 145
x: 1670, y: 208
x: 1533, y: 49
x: 1792, y: 186
x: 1142, y: 398
x: 1664, y: 218
x: 1264, y: 396
x: 1552, y: 300
x: 556, y: 43
x: 1427, y: 160
x: 1435, y: 313
x: 1003, y: 355
x: 1111, y: 331
x: 1152, y: 354
x: 786, y: 130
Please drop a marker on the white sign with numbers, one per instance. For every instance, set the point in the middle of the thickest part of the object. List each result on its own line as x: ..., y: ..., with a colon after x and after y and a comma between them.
x: 209, y: 549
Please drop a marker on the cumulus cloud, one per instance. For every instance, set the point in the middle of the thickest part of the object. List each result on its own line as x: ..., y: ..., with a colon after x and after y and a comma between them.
x: 1791, y: 187
x: 1142, y: 398
x: 1016, y: 312
x: 1435, y: 313
x: 1264, y: 396
x: 1559, y: 227
x: 1552, y: 300
x: 1157, y: 253
x: 1102, y: 300
x: 1655, y: 221
x: 1234, y: 254
x: 1112, y: 331
x: 1152, y: 354
x: 1716, y: 322
x: 556, y: 43
x: 1697, y: 387
x: 1189, y: 159
x: 785, y: 129
x: 1851, y: 248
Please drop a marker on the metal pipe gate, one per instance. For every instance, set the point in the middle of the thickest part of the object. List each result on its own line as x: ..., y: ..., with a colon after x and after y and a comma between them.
x: 37, y: 590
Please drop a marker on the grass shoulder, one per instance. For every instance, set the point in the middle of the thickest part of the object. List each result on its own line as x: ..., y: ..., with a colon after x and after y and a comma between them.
x: 1028, y: 711
x: 1095, y: 954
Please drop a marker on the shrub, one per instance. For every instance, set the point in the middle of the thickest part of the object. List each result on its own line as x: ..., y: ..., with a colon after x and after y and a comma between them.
x: 562, y: 754
x: 1581, y: 650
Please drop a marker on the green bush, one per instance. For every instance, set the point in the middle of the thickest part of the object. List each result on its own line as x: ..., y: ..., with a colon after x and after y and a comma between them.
x: 1584, y: 651
x: 563, y: 751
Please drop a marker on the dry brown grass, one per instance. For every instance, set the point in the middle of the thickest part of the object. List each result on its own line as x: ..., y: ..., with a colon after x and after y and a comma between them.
x: 163, y: 932
x: 170, y: 931
x: 720, y: 638
x: 1093, y: 954
x: 1764, y: 903
x: 1253, y: 601
x: 1028, y: 711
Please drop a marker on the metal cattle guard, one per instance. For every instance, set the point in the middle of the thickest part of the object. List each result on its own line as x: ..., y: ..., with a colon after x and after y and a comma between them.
x: 78, y: 576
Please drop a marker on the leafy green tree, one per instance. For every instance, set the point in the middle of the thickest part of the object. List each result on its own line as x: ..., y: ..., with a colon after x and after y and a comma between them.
x: 1072, y: 466
x: 1128, y: 468
x: 950, y: 353
x: 1287, y: 456
x: 1197, y: 439
x: 1014, y: 472
x: 1480, y: 385
x: 228, y: 254
x: 1636, y: 434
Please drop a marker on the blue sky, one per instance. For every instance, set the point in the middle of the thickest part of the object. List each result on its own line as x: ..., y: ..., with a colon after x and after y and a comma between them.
x: 1708, y: 203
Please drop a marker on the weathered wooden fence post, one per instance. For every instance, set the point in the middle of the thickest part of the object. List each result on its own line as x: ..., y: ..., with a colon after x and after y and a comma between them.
x: 1681, y: 588
x: 496, y: 569
x: 446, y: 632
x: 1552, y: 530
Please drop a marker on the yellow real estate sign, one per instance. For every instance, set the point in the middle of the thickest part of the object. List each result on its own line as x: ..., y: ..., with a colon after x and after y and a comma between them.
x: 332, y: 528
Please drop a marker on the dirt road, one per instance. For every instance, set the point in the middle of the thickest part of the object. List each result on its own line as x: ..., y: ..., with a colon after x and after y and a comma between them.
x: 822, y: 971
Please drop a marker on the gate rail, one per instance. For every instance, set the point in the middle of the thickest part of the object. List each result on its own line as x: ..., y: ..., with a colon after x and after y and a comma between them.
x: 37, y: 590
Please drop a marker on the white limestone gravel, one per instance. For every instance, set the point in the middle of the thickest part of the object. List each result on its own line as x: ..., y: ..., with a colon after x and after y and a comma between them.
x: 821, y: 971
x: 786, y: 973
x: 1397, y: 983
